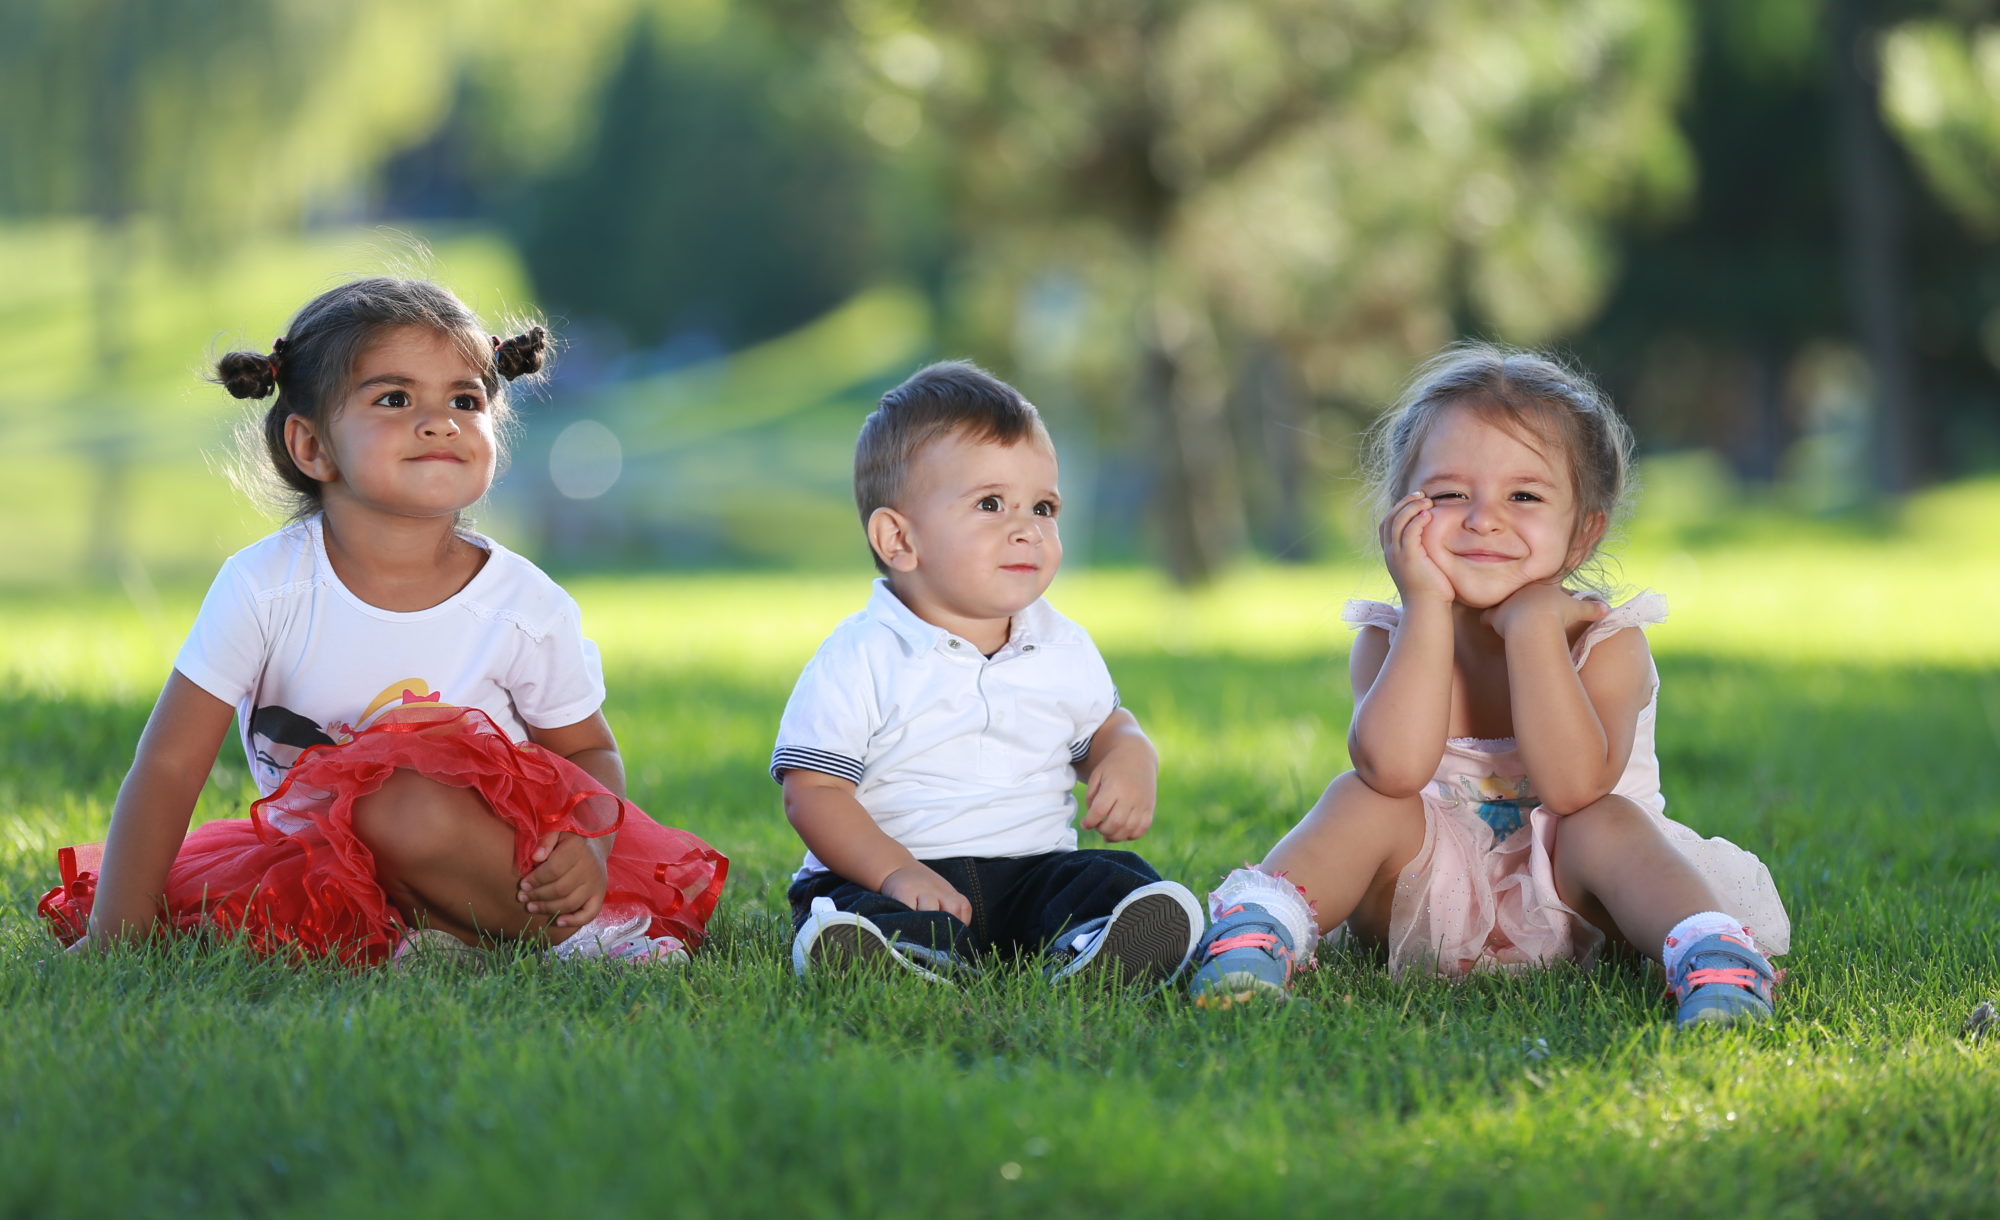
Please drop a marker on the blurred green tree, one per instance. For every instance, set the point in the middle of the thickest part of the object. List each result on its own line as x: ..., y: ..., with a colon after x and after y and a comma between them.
x: 1941, y: 88
x: 1826, y: 263
x: 709, y: 199
x: 191, y: 122
x: 1214, y: 214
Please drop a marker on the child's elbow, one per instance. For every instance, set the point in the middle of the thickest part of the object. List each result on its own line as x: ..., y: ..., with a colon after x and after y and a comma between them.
x: 1387, y: 782
x: 1565, y: 800
x: 799, y: 803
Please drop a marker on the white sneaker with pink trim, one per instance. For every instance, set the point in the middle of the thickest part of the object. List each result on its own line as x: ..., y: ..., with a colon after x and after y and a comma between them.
x: 620, y: 936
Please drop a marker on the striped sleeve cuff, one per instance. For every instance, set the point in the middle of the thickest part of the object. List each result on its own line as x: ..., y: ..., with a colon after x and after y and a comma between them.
x: 795, y: 758
x: 1079, y: 750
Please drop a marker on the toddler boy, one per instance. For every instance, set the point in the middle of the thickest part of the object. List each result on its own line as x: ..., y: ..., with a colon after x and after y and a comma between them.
x: 931, y: 749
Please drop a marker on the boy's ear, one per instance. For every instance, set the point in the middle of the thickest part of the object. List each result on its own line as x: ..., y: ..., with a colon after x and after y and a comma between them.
x: 1588, y: 535
x: 309, y: 453
x: 889, y: 535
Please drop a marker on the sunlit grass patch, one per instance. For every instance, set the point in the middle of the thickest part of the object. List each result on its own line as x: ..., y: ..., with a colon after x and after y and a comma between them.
x: 1851, y: 742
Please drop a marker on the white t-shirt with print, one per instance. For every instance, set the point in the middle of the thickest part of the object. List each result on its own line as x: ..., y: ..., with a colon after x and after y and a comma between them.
x: 306, y: 662
x: 951, y: 753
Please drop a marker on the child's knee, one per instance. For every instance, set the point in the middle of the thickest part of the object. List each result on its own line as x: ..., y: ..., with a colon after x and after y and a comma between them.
x: 1350, y: 802
x: 411, y: 821
x: 1610, y: 822
x: 1607, y: 814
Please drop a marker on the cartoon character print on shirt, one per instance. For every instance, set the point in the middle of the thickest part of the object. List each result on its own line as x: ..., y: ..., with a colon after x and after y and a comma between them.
x: 278, y: 735
x: 388, y: 704
x: 1502, y: 800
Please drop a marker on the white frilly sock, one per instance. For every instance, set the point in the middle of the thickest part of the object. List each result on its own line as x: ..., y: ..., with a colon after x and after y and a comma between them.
x: 1695, y: 927
x: 1275, y: 894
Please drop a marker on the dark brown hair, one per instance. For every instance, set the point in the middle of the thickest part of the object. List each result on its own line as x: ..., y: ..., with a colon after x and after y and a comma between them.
x: 937, y: 401
x: 1537, y: 397
x: 312, y: 366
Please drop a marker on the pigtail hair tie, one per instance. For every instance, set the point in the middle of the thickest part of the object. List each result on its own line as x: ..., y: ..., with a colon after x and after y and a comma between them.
x: 520, y: 355
x: 249, y: 374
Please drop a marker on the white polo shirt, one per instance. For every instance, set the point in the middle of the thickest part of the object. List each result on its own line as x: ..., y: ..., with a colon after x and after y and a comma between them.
x: 952, y: 753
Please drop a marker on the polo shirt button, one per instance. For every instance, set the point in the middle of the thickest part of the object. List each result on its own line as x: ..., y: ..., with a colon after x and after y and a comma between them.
x: 1027, y: 648
x: 954, y: 643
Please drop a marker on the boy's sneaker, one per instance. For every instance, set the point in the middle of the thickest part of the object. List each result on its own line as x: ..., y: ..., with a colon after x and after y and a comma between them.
x: 1144, y: 942
x: 620, y: 936
x: 832, y: 939
x: 1721, y: 981
x: 1247, y: 956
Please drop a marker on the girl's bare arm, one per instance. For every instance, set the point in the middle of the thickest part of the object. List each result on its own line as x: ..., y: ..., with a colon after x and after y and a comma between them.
x: 1574, y: 729
x: 1402, y: 700
x: 150, y: 819
x: 589, y: 744
x: 1402, y: 683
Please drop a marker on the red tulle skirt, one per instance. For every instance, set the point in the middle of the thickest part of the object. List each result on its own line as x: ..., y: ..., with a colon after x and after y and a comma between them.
x: 293, y: 876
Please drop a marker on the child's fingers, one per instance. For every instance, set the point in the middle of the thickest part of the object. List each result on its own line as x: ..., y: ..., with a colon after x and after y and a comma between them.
x: 1129, y: 812
x: 575, y: 907
x: 1095, y: 807
x: 540, y: 879
x: 1131, y: 824
x: 546, y: 844
x: 1405, y: 511
x: 551, y: 893
x: 1397, y: 517
x: 1103, y: 813
x: 554, y: 884
x: 583, y: 914
x: 952, y: 903
x: 1413, y: 530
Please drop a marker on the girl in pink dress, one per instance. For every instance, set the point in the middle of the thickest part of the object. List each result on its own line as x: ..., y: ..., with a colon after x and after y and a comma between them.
x: 1504, y: 809
x: 418, y: 704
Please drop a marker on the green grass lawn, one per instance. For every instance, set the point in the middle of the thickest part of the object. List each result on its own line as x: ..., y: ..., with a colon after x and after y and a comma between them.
x: 1829, y: 700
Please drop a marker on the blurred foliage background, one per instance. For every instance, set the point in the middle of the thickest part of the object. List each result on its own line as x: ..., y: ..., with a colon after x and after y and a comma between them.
x: 1209, y: 237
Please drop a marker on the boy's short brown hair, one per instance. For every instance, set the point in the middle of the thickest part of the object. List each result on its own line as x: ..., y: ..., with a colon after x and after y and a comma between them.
x: 937, y: 401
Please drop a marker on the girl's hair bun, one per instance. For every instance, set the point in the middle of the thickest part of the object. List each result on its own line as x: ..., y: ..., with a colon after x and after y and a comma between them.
x: 247, y: 374
x: 522, y: 354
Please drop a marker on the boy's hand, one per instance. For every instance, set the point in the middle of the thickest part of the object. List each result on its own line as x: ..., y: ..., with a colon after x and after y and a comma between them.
x: 1118, y: 801
x: 569, y: 881
x: 919, y: 888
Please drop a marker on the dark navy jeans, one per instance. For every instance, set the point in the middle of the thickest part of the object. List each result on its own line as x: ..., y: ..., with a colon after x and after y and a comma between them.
x: 1019, y: 904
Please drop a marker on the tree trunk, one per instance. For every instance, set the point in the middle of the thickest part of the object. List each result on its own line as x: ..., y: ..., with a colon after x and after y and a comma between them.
x: 1873, y: 254
x: 1195, y: 498
x: 1273, y: 408
x: 111, y: 158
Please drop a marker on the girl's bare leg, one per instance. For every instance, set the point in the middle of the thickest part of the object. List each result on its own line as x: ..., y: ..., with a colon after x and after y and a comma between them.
x: 1346, y: 852
x: 446, y: 861
x: 1617, y: 869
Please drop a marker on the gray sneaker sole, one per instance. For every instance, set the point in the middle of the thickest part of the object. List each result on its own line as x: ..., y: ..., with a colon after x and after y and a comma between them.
x: 1143, y: 947
x: 847, y: 946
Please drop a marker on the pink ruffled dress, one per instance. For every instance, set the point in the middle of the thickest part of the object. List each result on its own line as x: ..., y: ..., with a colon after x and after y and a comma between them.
x: 1481, y: 894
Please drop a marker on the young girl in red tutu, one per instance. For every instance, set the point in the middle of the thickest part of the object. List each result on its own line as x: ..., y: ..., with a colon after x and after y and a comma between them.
x: 418, y: 704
